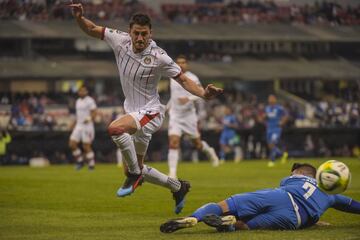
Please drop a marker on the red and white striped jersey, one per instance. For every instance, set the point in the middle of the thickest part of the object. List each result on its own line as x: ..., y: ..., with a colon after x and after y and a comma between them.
x: 140, y: 72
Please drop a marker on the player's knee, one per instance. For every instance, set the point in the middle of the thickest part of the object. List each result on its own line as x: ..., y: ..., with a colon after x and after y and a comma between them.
x: 198, y: 145
x: 87, y: 148
x: 72, y: 145
x: 114, y: 130
x: 174, y: 144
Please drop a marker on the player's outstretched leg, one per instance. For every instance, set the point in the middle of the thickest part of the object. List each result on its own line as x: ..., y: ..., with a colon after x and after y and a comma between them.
x: 179, y: 196
x: 221, y: 223
x: 179, y: 188
x: 178, y: 223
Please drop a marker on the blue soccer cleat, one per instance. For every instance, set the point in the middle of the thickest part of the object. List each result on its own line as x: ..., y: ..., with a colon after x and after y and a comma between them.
x: 130, y: 184
x: 179, y: 196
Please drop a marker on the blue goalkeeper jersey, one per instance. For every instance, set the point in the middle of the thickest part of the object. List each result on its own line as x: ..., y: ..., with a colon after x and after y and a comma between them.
x: 273, y: 115
x: 311, y: 200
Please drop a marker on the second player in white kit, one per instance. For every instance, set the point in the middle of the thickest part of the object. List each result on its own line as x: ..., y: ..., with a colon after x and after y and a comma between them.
x: 141, y: 64
x: 183, y: 119
x: 83, y: 131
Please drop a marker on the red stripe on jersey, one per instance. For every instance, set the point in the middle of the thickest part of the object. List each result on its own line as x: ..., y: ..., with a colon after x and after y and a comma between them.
x: 147, y: 118
x: 103, y: 33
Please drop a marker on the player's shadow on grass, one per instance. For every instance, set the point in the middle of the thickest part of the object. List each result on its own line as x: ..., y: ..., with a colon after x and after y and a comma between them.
x: 201, y: 232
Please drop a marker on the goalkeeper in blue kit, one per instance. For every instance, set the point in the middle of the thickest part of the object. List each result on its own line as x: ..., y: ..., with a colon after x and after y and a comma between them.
x: 297, y: 203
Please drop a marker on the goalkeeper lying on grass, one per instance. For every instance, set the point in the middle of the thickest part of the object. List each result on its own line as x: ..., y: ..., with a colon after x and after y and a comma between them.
x: 297, y: 203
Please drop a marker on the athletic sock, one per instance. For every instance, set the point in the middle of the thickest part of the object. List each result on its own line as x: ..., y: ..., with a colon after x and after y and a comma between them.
x: 77, y: 154
x: 273, y: 154
x: 278, y: 152
x: 119, y: 157
x: 153, y: 176
x: 210, y: 208
x: 90, y: 158
x: 238, y: 153
x: 126, y: 145
x: 206, y: 148
x: 173, y: 158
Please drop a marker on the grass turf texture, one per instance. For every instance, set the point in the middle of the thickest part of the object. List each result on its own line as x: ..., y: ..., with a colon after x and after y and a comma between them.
x: 59, y: 203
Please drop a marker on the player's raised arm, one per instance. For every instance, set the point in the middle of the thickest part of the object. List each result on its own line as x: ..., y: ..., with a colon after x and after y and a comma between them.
x: 208, y: 93
x: 85, y: 24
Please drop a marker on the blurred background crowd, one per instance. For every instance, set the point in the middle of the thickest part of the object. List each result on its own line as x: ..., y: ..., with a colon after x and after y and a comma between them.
x: 235, y: 11
x: 304, y: 51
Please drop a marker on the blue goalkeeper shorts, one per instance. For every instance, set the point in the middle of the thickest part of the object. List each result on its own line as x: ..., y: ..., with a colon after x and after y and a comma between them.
x: 264, y: 209
x: 273, y: 136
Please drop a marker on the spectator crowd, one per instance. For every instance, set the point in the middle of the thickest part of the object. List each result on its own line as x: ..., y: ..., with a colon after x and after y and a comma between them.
x: 238, y: 12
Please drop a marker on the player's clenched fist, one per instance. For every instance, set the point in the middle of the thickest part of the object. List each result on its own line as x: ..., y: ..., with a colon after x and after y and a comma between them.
x: 77, y: 9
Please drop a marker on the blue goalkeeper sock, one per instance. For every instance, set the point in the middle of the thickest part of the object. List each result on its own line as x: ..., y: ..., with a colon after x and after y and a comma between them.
x: 273, y: 154
x: 210, y: 208
x: 278, y: 152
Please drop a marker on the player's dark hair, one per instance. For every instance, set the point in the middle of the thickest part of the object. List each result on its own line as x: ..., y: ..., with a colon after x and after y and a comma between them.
x: 141, y: 19
x: 307, y: 167
x: 181, y: 56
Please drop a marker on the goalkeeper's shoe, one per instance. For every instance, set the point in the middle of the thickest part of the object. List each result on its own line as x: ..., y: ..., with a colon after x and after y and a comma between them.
x: 131, y: 183
x: 178, y: 223
x: 179, y: 196
x: 221, y: 223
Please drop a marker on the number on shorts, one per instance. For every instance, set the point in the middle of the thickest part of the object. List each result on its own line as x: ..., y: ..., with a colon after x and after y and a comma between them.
x: 309, y: 188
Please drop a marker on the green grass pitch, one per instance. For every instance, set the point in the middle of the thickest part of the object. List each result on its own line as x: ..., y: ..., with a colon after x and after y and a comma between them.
x: 59, y: 203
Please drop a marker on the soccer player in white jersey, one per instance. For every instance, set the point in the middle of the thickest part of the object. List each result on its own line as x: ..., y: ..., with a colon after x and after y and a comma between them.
x: 184, y: 120
x: 141, y: 64
x: 84, y: 129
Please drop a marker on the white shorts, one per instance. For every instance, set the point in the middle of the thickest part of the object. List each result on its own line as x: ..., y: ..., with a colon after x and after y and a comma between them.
x: 187, y: 124
x: 147, y: 123
x: 84, y: 133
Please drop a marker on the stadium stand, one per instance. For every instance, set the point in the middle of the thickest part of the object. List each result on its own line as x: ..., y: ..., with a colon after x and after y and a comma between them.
x: 310, y: 52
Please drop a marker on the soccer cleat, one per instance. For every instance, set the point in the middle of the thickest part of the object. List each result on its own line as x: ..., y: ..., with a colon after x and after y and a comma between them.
x: 284, y: 158
x: 221, y: 223
x: 178, y: 223
x: 214, y: 158
x: 271, y: 164
x: 130, y: 184
x: 91, y: 168
x: 79, y: 166
x: 179, y: 196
